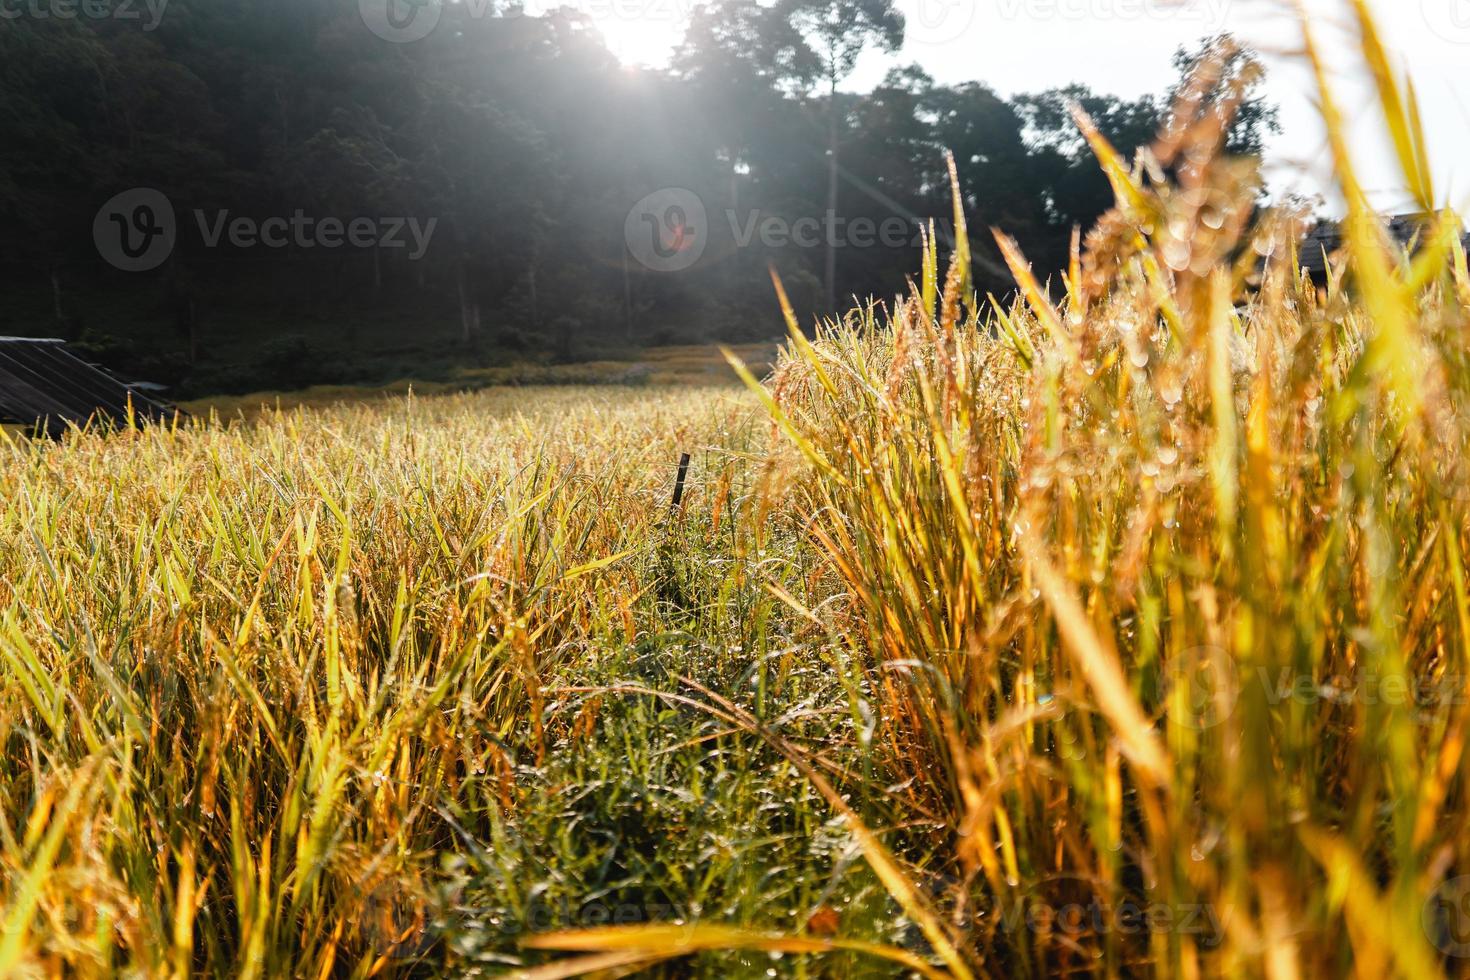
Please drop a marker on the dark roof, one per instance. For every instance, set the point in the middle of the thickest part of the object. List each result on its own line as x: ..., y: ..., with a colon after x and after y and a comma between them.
x: 45, y: 385
x: 1326, y: 238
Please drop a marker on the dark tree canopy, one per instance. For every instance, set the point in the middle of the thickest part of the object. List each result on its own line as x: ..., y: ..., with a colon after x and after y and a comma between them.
x: 516, y: 147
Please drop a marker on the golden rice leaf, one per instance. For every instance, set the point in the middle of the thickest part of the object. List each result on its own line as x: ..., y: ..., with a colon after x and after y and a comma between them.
x: 1125, y: 187
x: 1224, y: 453
x: 593, y: 566
x: 1394, y: 934
x: 1404, y: 124
x: 961, y: 261
x: 1393, y: 351
x: 1045, y: 313
x: 1101, y: 669
x: 617, y: 963
x: 665, y: 941
x: 929, y: 278
x: 810, y: 451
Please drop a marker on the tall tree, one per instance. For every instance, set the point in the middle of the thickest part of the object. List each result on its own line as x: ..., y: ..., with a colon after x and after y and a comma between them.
x: 736, y: 56
x: 527, y: 142
x: 1076, y: 191
x: 1235, y: 76
x: 834, y: 34
x: 1074, y: 188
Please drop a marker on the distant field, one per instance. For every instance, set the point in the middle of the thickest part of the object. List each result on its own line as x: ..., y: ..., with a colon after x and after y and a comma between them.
x: 658, y: 366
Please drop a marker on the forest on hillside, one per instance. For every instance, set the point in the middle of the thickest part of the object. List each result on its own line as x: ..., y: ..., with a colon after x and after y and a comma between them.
x: 329, y: 205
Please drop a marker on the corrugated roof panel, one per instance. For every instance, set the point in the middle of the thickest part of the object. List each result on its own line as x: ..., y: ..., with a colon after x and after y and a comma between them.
x: 42, y: 383
x: 29, y: 363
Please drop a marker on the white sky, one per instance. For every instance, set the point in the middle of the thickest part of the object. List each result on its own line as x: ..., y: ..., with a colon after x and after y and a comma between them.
x: 1124, y: 47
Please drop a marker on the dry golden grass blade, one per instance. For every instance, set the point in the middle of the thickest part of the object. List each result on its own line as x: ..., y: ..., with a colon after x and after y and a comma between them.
x: 809, y: 450
x: 798, y: 339
x: 618, y: 962
x: 669, y: 941
x: 1013, y: 332
x: 1402, y: 115
x: 961, y: 261
x: 1435, y: 256
x: 31, y: 880
x: 929, y: 276
x: 1045, y: 313
x: 1125, y: 187
x: 1393, y: 350
x: 1101, y: 669
x: 1394, y: 935
x: 1076, y: 291
x: 1224, y: 461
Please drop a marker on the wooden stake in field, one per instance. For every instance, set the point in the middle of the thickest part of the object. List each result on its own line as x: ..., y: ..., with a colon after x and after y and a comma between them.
x: 679, y: 483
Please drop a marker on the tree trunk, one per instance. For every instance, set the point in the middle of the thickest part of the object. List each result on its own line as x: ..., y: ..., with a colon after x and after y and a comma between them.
x: 831, y: 217
x: 469, y: 310
x: 627, y: 297
x: 57, y: 310
x: 734, y: 265
x: 191, y: 315
x: 535, y: 304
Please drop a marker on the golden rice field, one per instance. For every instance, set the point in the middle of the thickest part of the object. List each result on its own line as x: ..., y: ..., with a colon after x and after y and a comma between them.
x: 1121, y: 630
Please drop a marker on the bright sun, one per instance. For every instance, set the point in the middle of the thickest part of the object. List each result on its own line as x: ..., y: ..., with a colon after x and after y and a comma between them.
x: 643, y: 32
